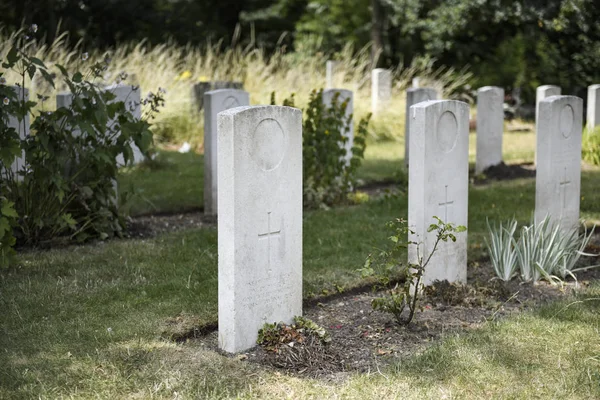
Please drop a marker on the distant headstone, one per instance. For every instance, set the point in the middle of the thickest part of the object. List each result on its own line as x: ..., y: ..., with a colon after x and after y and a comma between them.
x: 593, y: 107
x: 216, y: 101
x: 259, y: 221
x: 558, y: 172
x: 490, y: 127
x: 414, y: 96
x: 130, y: 95
x: 200, y: 88
x: 540, y: 94
x: 416, y: 81
x: 438, y: 185
x: 330, y: 67
x: 344, y: 95
x: 22, y: 127
x: 381, y: 89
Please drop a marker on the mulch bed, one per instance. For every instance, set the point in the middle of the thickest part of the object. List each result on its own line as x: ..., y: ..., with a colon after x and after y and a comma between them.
x: 503, y: 172
x: 364, y: 340
x: 148, y: 226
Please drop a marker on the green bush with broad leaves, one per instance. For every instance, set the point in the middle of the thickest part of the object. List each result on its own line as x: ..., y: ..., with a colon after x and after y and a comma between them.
x: 65, y: 188
x: 329, y: 174
x: 590, y: 149
x: 385, y: 267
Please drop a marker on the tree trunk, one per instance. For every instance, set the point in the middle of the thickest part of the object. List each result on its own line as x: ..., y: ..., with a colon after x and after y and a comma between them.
x: 376, y: 32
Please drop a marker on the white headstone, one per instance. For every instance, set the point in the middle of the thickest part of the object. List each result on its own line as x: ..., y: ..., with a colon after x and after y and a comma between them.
x: 381, y: 89
x: 344, y: 95
x: 131, y: 97
x: 490, y: 127
x: 438, y: 185
x: 593, y: 107
x: 416, y: 81
x: 540, y: 94
x: 558, y: 171
x: 414, y: 96
x: 22, y: 127
x: 200, y: 88
x: 260, y: 221
x: 329, y: 73
x: 214, y: 102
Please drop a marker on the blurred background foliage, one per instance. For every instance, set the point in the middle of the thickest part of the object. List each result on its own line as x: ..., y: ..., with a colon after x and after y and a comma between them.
x: 513, y: 44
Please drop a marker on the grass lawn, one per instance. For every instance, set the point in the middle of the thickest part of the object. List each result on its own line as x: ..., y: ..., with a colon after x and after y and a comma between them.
x: 85, y: 321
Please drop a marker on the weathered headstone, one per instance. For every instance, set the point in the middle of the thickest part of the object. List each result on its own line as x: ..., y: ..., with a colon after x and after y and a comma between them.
x: 593, y: 107
x: 490, y: 127
x: 541, y: 93
x: 260, y: 221
x: 438, y: 185
x: 330, y: 67
x: 344, y: 95
x: 558, y: 149
x: 216, y: 101
x: 414, y: 96
x: 22, y: 127
x: 381, y: 89
x: 200, y: 88
x: 130, y: 95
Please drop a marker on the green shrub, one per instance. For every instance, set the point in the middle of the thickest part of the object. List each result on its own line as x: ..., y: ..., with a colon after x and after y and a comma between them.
x: 328, y: 173
x: 66, y: 188
x: 542, y: 251
x: 590, y: 149
x: 386, y: 266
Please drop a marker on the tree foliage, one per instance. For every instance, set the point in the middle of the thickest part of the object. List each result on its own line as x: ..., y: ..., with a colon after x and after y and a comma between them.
x: 509, y: 43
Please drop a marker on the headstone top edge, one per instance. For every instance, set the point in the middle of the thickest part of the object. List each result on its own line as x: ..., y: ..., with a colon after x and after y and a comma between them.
x: 440, y: 103
x: 489, y: 89
x: 562, y: 99
x: 244, y: 109
x: 219, y: 91
x: 594, y: 86
x: 548, y: 87
x: 121, y: 85
x: 417, y: 89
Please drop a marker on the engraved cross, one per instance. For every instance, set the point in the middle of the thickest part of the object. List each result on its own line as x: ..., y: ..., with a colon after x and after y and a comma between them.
x: 563, y: 188
x: 267, y: 236
x: 445, y: 204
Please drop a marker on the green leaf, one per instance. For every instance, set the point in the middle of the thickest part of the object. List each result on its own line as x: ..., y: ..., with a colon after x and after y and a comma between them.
x: 8, y: 209
x: 13, y: 56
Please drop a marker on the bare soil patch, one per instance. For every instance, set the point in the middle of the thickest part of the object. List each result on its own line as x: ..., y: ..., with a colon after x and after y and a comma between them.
x: 365, y: 340
x: 503, y: 172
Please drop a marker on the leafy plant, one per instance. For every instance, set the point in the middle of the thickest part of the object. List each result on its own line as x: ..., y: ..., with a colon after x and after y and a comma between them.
x: 387, y: 266
x: 590, y: 149
x: 66, y: 187
x: 542, y: 251
x: 8, y: 218
x: 272, y: 336
x: 500, y: 247
x: 329, y: 172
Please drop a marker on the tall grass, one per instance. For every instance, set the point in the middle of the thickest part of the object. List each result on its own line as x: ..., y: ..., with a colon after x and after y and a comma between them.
x: 176, y: 68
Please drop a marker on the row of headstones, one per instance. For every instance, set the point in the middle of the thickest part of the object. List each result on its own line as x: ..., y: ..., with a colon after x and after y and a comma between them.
x: 259, y: 153
x: 490, y: 126
x: 130, y: 95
